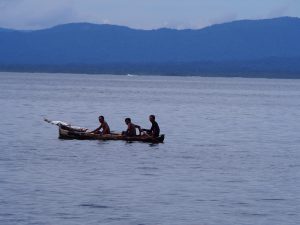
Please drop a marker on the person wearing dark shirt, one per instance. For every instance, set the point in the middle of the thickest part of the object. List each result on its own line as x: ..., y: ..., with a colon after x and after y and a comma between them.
x: 131, y: 128
x: 103, y: 125
x: 154, y: 130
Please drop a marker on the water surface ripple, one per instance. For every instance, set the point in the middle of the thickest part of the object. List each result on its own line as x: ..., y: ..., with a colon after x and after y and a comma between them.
x: 231, y: 154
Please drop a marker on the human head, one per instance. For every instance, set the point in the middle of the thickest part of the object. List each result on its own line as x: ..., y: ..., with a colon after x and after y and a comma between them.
x: 101, y: 119
x: 152, y: 118
x: 127, y: 120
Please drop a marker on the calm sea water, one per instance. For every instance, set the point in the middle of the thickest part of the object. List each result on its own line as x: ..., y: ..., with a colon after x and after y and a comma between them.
x: 231, y: 154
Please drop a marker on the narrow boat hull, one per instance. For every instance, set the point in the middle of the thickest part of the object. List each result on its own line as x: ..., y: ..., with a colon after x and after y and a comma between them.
x: 66, y: 133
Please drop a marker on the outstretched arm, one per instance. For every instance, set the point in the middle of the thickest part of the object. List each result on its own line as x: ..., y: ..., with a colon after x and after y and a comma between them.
x: 96, y: 130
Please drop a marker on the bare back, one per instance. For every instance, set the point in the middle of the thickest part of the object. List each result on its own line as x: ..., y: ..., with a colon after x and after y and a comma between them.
x: 105, y: 128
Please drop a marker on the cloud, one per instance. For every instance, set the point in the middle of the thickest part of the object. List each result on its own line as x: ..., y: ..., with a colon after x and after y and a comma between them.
x: 279, y: 11
x: 5, y: 4
x: 224, y: 18
x: 146, y: 14
x: 34, y: 14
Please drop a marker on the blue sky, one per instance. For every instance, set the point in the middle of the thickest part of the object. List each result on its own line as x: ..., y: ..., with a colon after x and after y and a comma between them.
x: 144, y: 14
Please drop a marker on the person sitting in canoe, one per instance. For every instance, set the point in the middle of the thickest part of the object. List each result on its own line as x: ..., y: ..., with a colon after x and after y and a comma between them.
x: 131, y: 128
x: 154, y: 130
x: 103, y: 125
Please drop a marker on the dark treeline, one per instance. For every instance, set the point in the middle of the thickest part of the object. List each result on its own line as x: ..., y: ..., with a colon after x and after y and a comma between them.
x: 269, y: 68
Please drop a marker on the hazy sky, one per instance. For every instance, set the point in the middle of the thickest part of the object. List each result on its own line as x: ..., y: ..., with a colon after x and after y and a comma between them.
x: 146, y: 14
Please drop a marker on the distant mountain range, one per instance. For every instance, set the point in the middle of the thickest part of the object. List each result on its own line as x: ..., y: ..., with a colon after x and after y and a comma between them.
x: 260, y: 48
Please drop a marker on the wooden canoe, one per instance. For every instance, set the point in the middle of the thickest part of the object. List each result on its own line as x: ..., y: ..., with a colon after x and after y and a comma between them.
x: 67, y: 133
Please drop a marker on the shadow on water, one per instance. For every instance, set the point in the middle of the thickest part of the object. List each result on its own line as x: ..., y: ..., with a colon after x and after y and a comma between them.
x: 95, y: 206
x: 151, y: 145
